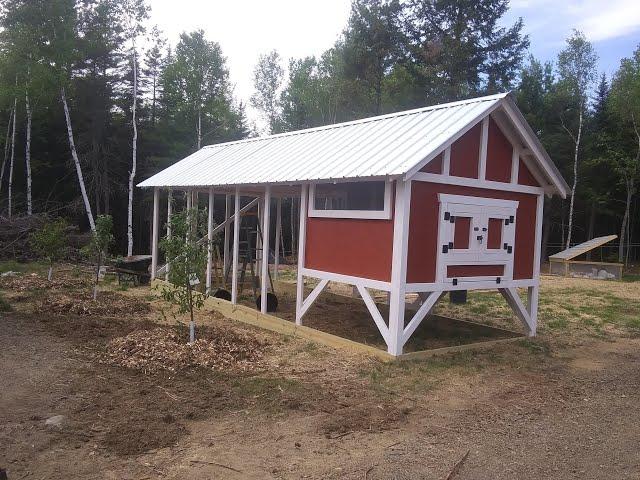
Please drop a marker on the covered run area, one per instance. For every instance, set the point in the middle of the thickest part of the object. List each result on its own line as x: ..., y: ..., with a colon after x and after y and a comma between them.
x: 413, y: 204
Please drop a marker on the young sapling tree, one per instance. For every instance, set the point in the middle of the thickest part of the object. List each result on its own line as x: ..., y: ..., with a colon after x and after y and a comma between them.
x: 101, y: 239
x: 50, y: 242
x: 188, y: 259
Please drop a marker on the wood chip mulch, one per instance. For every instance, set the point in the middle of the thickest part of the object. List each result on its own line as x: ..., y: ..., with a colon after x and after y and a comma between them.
x: 108, y: 304
x: 162, y: 348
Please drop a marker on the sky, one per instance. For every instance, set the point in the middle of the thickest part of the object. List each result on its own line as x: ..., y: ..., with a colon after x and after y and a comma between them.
x: 296, y: 28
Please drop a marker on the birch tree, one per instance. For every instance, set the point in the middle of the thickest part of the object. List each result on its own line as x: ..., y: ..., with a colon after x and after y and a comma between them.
x: 577, y: 73
x: 12, y: 158
x: 135, y: 11
x: 27, y: 152
x: 6, y: 148
x: 267, y: 80
x: 625, y: 103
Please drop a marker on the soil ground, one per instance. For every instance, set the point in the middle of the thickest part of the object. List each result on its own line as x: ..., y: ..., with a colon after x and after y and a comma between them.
x: 564, y: 405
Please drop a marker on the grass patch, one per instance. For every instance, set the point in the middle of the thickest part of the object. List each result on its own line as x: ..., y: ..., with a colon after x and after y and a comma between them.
x: 631, y: 278
x: 4, y: 305
x: 588, y: 308
x: 421, y: 375
x: 23, y: 267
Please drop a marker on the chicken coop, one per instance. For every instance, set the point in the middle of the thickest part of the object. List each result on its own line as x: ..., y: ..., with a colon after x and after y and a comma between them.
x: 427, y: 201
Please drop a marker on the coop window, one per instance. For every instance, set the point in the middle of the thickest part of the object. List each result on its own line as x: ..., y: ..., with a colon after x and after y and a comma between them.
x: 351, y: 200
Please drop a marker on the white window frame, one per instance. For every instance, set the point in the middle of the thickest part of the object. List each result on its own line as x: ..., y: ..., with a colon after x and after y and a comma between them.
x: 384, y: 214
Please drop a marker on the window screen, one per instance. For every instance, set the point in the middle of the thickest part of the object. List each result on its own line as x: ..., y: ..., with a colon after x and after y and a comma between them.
x: 368, y: 196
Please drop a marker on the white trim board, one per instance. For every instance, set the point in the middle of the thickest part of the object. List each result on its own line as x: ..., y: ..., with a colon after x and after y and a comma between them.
x: 475, y: 183
x: 348, y: 279
x: 384, y: 214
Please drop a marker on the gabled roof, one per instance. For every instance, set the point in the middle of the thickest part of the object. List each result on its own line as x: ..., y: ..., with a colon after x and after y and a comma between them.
x: 582, y: 248
x: 386, y: 146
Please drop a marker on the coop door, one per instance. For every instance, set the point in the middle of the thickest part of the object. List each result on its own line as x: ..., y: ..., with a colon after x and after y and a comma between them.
x: 476, y: 239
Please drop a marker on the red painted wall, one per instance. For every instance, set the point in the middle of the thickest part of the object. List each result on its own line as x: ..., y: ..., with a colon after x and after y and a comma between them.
x: 434, y: 166
x: 423, y: 228
x: 525, y: 177
x: 357, y: 247
x: 465, y: 153
x: 499, y: 155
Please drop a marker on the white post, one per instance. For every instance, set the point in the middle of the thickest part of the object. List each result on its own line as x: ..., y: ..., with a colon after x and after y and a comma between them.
x: 258, y: 239
x: 227, y: 227
x: 533, y: 292
x: 236, y: 249
x: 189, y: 198
x: 154, y: 235
x: 169, y: 213
x: 278, y: 233
x: 304, y: 196
x: 399, y: 267
x: 264, y: 281
x: 209, y: 240
x: 484, y: 138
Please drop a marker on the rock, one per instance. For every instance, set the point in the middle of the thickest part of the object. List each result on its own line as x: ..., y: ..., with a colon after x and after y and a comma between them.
x: 55, y: 421
x: 603, y: 275
x: 10, y: 273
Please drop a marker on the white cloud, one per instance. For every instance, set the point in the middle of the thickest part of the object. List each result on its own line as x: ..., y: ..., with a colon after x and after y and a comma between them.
x: 247, y: 28
x: 599, y: 20
x: 605, y: 20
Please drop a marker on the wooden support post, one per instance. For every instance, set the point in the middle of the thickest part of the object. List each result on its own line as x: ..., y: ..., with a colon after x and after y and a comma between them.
x: 399, y: 267
x: 278, y: 237
x: 154, y: 235
x: 169, y: 213
x: 227, y: 230
x: 210, y: 240
x: 236, y: 249
x: 264, y: 280
x: 304, y: 196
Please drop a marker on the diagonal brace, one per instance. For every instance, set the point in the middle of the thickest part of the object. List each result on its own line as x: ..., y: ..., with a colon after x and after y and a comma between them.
x: 375, y: 313
x: 422, y: 312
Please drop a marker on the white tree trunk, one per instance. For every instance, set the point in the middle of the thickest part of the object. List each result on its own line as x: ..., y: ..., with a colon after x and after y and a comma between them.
x: 134, y: 162
x: 76, y: 160
x: 625, y: 219
x: 575, y: 179
x: 6, y: 149
x: 199, y: 128
x: 27, y: 154
x: 13, y: 156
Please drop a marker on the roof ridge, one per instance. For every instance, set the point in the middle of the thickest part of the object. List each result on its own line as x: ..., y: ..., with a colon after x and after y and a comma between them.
x: 414, y: 111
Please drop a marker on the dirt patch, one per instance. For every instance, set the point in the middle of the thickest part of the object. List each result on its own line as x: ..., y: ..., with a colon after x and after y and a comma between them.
x: 107, y: 304
x: 363, y: 418
x: 143, y: 433
x: 165, y: 349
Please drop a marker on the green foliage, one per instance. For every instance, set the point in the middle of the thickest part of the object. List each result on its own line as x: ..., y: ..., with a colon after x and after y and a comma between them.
x: 187, y: 259
x: 267, y: 78
x: 50, y: 242
x: 101, y: 240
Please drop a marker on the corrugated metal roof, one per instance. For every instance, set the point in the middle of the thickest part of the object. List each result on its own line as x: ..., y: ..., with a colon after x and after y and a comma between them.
x: 384, y: 146
x: 582, y: 248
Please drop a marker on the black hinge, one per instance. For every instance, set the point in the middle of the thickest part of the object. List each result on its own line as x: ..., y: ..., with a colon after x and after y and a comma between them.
x: 505, y: 246
x: 450, y: 245
x: 509, y: 249
x: 511, y: 219
x: 447, y: 215
x: 452, y: 219
x: 498, y: 280
x: 506, y: 221
x: 455, y: 281
x: 445, y: 248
